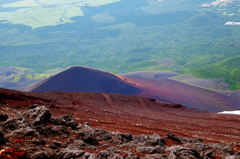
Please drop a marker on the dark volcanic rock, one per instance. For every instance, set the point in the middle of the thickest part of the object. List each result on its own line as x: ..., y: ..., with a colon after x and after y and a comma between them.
x: 90, y: 139
x: 183, y: 152
x: 65, y: 120
x: 13, y: 124
x: 67, y: 153
x: 40, y: 155
x: 37, y: 115
x: 149, y: 150
x: 125, y: 137
x: 3, y: 117
x: 104, y: 154
x: 24, y: 132
x: 35, y: 135
x: 2, y: 138
x: 101, y: 134
x: 174, y: 137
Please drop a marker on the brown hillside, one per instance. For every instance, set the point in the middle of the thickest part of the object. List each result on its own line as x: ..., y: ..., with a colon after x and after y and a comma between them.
x: 136, y: 115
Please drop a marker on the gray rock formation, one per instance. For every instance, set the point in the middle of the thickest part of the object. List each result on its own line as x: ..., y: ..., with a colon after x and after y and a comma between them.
x: 35, y: 134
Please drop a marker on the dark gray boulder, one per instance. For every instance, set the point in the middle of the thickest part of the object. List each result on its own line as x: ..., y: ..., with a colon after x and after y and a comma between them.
x: 37, y: 115
x: 65, y: 120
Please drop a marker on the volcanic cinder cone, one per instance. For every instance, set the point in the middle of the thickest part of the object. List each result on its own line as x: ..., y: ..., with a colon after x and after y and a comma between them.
x: 83, y: 79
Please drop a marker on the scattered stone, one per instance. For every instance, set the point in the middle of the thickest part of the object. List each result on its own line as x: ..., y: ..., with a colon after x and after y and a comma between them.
x: 34, y: 134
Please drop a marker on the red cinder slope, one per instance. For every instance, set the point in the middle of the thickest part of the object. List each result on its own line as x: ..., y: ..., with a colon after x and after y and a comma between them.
x: 128, y: 114
x: 187, y: 95
x: 83, y: 79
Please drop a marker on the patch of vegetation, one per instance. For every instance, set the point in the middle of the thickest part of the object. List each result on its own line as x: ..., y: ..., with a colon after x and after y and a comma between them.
x: 228, y: 69
x: 29, y: 76
x: 46, y: 13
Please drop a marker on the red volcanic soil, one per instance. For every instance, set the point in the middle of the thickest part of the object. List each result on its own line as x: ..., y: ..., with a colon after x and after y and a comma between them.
x: 187, y: 95
x: 136, y: 115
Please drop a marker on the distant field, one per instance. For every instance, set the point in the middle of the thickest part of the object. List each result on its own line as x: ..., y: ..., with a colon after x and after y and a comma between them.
x: 212, y: 84
x: 121, y: 36
x: 40, y: 13
x: 228, y: 68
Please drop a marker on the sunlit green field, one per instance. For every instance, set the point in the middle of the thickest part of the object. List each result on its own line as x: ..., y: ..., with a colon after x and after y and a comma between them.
x: 16, y: 77
x: 40, y: 13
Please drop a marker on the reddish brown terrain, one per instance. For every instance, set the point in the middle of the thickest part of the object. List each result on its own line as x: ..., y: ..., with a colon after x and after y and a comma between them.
x: 128, y: 114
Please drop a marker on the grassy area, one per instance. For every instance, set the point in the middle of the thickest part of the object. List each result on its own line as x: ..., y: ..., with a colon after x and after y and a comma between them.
x: 47, y: 13
x: 29, y: 76
x: 228, y: 69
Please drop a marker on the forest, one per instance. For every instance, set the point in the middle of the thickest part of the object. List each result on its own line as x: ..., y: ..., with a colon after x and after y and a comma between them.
x: 129, y: 35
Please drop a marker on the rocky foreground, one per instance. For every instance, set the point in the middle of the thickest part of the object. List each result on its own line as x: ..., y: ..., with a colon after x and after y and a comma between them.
x: 36, y: 134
